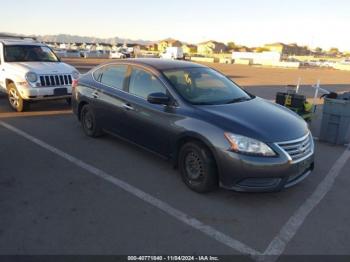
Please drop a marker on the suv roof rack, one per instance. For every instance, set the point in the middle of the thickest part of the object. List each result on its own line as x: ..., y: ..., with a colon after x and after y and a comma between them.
x: 13, y: 37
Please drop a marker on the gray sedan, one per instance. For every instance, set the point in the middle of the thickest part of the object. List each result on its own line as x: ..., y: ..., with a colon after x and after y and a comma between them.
x: 216, y: 133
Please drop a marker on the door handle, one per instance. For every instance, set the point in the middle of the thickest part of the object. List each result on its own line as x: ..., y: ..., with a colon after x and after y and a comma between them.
x: 95, y: 94
x: 128, y: 107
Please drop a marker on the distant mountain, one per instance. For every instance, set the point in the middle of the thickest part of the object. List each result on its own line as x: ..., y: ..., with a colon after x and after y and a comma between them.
x: 64, y: 38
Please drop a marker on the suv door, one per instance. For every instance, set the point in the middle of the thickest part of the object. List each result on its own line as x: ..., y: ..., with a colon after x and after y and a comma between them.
x: 109, y: 97
x: 149, y: 125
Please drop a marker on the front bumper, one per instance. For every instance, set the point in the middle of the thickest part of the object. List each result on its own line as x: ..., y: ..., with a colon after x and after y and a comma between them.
x: 261, y: 174
x: 44, y: 93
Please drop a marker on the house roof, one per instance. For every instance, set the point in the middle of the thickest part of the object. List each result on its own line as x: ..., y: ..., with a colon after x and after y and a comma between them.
x: 190, y: 45
x: 132, y: 45
x: 169, y: 40
x: 276, y: 44
x: 211, y: 41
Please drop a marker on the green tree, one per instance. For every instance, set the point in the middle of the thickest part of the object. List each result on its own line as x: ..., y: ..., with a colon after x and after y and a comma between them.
x: 334, y: 51
x: 261, y: 49
x: 318, y: 50
x: 231, y: 45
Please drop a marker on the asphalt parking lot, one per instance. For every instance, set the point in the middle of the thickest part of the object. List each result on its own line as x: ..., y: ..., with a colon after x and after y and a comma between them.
x: 64, y: 193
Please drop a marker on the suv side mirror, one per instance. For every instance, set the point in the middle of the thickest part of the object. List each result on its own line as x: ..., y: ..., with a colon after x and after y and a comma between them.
x: 158, y: 99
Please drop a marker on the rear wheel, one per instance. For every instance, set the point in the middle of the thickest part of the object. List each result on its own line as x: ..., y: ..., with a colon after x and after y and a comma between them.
x: 15, y: 100
x: 197, y: 167
x: 89, y: 122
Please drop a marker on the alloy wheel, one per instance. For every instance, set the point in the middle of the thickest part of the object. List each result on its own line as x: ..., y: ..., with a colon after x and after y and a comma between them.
x: 14, y: 98
x: 88, y: 121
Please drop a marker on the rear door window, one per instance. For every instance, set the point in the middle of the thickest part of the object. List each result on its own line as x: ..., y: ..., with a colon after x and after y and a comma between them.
x: 112, y: 75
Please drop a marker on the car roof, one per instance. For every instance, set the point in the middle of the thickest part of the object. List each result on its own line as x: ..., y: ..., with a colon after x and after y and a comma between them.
x: 20, y: 42
x: 162, y: 64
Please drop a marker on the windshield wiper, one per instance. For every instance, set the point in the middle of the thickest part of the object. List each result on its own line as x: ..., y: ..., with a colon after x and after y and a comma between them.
x: 237, y: 100
x: 203, y: 104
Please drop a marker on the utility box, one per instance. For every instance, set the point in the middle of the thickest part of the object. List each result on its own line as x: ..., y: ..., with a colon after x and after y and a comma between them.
x: 335, y: 127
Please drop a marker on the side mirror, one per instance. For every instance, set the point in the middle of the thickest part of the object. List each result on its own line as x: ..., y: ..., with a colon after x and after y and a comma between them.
x: 158, y: 99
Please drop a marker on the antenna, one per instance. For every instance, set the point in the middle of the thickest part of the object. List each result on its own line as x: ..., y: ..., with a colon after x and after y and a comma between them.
x: 298, y: 85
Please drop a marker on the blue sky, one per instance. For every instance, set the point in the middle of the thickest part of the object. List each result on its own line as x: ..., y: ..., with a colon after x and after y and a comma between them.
x: 322, y: 23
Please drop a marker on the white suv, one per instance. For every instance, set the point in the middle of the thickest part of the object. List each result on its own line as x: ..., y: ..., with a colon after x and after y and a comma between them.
x: 30, y: 70
x: 117, y: 54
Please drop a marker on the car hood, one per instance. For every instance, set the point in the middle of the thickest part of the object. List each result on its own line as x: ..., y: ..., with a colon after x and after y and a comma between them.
x: 258, y: 119
x: 43, y: 67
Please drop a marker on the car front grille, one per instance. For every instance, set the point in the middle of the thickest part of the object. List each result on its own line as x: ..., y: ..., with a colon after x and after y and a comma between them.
x: 55, y: 80
x: 298, y: 149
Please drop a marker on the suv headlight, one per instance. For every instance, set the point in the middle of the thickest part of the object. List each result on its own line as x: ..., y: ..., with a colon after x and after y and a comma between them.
x: 31, y: 77
x: 246, y: 145
x: 75, y: 74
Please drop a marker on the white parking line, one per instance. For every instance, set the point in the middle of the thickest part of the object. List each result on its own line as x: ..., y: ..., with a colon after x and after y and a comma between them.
x: 288, y: 231
x: 173, y: 212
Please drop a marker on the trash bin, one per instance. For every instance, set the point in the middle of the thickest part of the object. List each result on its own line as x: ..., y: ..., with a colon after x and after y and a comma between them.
x: 335, y: 126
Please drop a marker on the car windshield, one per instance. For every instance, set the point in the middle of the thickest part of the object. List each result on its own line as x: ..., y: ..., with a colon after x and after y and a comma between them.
x: 204, y: 86
x: 29, y: 53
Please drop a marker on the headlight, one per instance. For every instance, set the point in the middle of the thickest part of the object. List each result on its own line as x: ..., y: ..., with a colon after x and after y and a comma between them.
x: 31, y: 77
x: 75, y: 74
x: 248, y: 145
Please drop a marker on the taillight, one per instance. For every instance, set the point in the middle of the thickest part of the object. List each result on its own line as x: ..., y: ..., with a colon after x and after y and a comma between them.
x: 75, y: 83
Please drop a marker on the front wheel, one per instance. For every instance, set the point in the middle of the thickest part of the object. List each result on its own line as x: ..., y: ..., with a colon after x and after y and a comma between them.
x: 89, y: 122
x: 197, y: 167
x: 15, y: 100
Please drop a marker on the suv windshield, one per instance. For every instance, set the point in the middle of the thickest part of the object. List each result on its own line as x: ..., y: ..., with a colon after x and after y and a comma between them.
x: 204, y: 86
x: 29, y: 53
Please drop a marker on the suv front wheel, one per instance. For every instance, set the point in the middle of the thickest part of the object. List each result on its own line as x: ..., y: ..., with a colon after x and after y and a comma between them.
x: 16, y: 101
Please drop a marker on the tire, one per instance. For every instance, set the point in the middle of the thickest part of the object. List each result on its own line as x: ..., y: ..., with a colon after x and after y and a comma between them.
x: 89, y: 122
x: 197, y: 167
x: 16, y: 102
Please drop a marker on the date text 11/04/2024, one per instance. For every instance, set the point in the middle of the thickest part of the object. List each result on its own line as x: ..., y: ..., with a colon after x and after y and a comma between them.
x: 173, y: 258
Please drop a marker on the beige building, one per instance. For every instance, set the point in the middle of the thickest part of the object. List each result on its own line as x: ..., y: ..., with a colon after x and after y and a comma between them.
x: 189, y: 49
x: 286, y: 50
x: 211, y: 47
x: 164, y: 44
x: 152, y: 47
